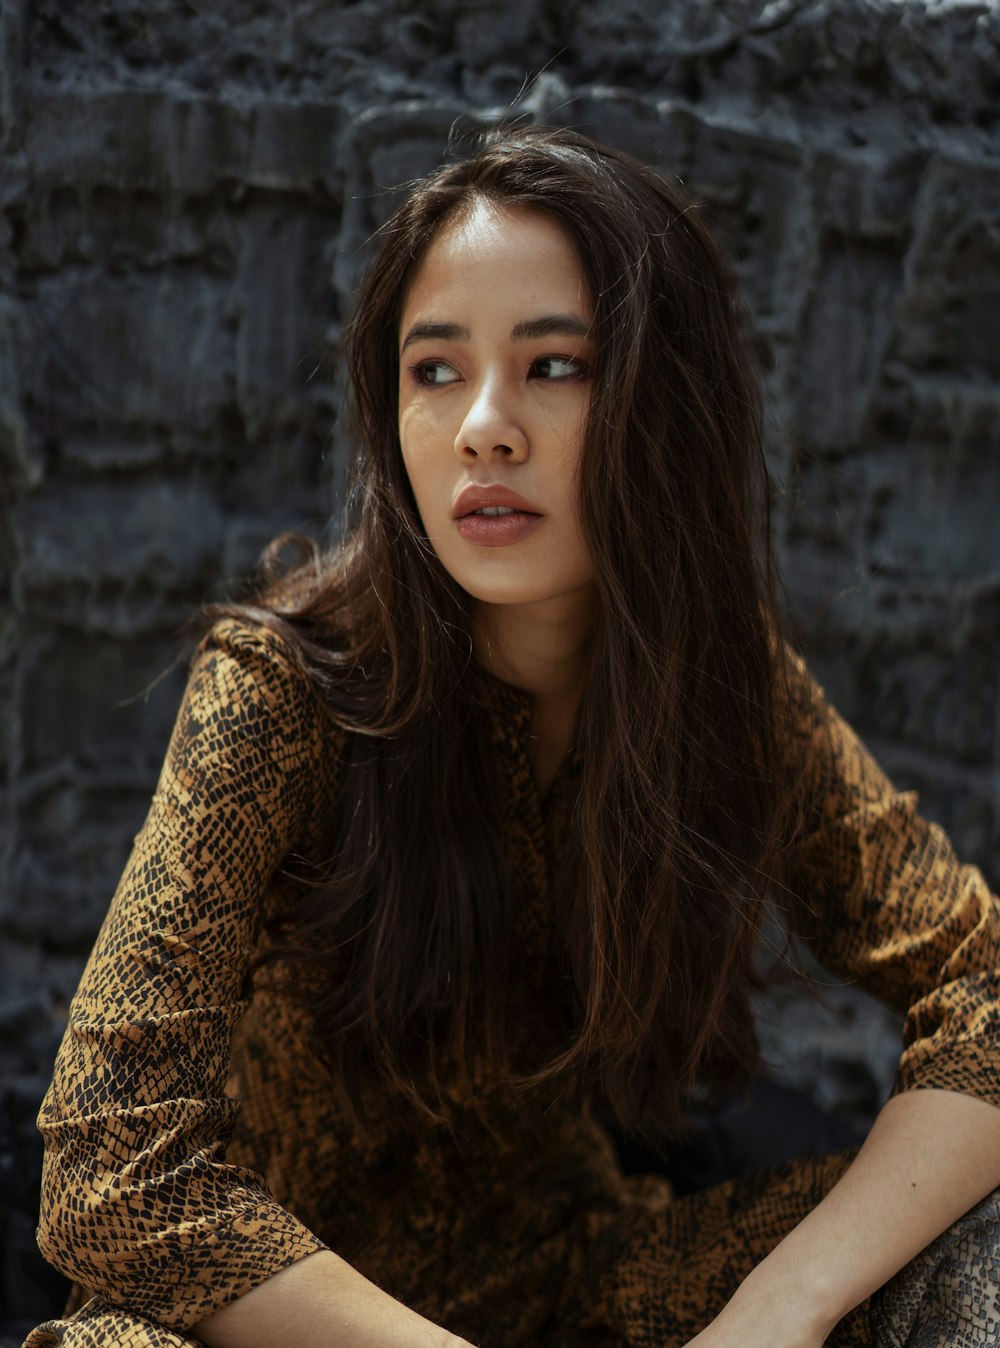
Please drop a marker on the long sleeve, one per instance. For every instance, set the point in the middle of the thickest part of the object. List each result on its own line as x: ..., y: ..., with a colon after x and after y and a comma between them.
x: 882, y: 895
x: 138, y: 1202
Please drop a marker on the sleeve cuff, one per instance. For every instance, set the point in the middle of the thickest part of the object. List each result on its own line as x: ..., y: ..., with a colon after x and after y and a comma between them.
x: 968, y: 1067
x: 226, y: 1264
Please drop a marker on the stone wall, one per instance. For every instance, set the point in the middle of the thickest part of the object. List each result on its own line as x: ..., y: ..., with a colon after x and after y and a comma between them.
x: 184, y: 195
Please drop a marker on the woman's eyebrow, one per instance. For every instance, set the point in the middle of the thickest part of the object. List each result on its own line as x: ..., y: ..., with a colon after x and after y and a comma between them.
x: 531, y: 329
x: 436, y: 332
x: 562, y: 325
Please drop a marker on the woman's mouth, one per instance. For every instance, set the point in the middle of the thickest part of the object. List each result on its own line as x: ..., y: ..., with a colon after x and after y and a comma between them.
x: 494, y: 516
x: 497, y: 526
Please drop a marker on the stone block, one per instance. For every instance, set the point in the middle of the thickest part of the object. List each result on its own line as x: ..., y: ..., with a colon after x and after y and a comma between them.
x: 150, y: 139
x: 28, y: 972
x: 95, y: 715
x: 821, y: 546
x: 282, y: 478
x: 514, y: 32
x: 932, y: 515
x: 219, y: 45
x: 303, y: 493
x: 26, y: 1019
x: 946, y: 317
x: 283, y: 306
x: 20, y: 465
x: 117, y: 556
x: 848, y: 320
x: 644, y: 44
x: 29, y: 1289
x: 95, y: 709
x: 293, y: 147
x: 875, y: 71
x: 12, y: 25
x: 10, y: 731
x: 138, y: 349
x: 942, y: 59
x: 927, y: 676
x: 942, y: 414
x: 754, y: 191
x: 52, y: 230
x: 358, y: 28
x: 67, y: 866
x: 919, y: 683
x: 869, y: 193
x: 70, y: 224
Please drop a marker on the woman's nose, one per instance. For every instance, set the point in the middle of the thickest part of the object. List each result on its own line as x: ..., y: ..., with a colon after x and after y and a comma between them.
x: 491, y: 427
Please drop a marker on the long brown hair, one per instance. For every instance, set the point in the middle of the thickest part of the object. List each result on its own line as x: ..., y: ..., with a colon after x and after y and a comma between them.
x: 679, y: 817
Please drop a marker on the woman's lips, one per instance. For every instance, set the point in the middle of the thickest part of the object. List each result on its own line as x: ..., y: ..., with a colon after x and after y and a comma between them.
x: 494, y: 516
x: 496, y: 531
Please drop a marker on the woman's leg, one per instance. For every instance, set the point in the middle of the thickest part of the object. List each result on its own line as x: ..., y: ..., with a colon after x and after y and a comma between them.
x: 949, y: 1296
x: 653, y: 1278
x: 657, y: 1277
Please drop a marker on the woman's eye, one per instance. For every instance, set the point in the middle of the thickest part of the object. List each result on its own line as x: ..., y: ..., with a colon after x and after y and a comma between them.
x: 433, y: 373
x: 558, y: 367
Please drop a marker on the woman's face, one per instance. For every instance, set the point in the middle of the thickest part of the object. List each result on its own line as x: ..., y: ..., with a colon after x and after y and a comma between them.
x: 495, y: 364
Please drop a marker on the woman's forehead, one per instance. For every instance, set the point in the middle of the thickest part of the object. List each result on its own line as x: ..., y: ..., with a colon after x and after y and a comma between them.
x: 497, y: 254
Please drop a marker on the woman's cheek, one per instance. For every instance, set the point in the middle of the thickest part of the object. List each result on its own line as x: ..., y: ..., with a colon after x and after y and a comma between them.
x: 422, y: 435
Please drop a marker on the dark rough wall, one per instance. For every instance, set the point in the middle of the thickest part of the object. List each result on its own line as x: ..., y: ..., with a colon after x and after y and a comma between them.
x: 184, y: 191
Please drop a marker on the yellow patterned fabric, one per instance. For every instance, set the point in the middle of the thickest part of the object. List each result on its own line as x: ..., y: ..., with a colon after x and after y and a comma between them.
x: 194, y: 1147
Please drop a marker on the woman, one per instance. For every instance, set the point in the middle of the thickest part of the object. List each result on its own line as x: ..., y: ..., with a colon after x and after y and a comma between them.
x: 486, y: 803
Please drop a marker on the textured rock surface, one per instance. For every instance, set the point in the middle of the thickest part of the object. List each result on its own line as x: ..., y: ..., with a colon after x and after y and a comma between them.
x: 184, y: 195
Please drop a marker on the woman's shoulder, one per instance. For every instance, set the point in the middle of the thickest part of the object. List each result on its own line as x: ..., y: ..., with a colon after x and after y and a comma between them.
x: 253, y: 734
x: 257, y: 656
x: 255, y: 643
x: 828, y: 764
x: 250, y: 680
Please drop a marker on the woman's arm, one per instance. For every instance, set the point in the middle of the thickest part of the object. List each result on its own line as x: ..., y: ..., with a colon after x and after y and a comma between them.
x: 139, y: 1202
x: 930, y: 1156
x: 880, y: 893
x: 321, y: 1301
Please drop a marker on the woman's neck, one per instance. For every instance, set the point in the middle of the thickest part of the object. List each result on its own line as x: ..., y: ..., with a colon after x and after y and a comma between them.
x: 542, y: 649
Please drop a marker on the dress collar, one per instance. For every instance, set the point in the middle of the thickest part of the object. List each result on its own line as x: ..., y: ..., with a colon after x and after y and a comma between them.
x: 509, y: 710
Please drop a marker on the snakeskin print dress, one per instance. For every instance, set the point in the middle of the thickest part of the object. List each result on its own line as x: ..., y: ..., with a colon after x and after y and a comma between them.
x: 194, y: 1148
